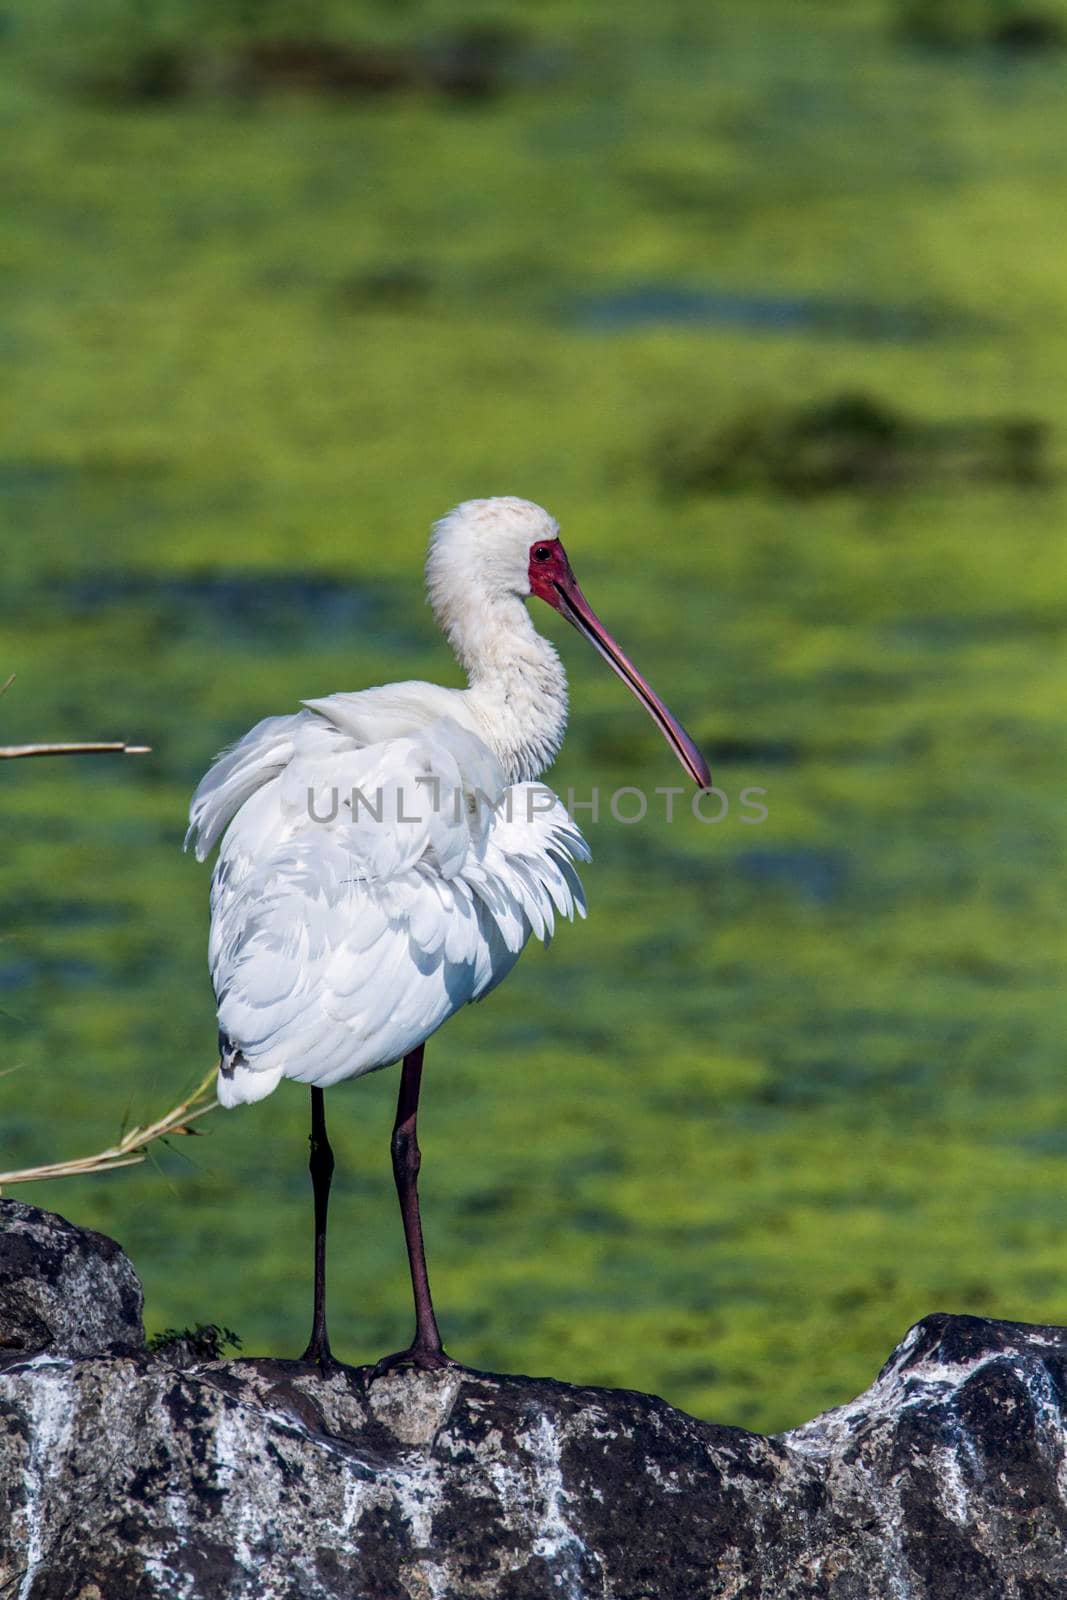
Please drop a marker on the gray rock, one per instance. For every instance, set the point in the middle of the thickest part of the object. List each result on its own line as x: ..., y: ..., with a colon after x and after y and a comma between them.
x: 63, y: 1289
x: 125, y: 1479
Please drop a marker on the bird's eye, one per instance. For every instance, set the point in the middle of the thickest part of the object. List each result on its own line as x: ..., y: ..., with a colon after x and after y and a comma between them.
x: 541, y: 552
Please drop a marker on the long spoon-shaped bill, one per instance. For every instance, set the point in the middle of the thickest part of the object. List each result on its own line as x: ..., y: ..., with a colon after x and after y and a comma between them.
x: 553, y: 580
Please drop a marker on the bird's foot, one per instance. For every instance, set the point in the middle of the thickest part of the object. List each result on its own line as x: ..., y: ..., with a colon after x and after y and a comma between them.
x: 318, y: 1354
x: 424, y: 1357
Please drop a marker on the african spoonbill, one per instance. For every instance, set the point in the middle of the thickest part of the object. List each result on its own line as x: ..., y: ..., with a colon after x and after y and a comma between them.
x: 387, y: 854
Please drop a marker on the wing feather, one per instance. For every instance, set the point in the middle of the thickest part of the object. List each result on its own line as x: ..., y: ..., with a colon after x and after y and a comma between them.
x: 366, y: 888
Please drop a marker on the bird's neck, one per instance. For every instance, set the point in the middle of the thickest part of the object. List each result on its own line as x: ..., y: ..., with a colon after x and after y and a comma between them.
x: 518, y: 688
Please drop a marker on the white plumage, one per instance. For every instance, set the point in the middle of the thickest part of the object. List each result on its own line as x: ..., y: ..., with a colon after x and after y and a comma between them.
x: 386, y: 856
x: 365, y: 891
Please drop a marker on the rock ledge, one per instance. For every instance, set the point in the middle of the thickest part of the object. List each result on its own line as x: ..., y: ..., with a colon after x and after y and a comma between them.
x: 122, y: 1478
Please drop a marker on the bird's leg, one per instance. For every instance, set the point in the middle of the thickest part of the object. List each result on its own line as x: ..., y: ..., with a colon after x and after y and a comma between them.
x: 425, y: 1350
x: 321, y: 1168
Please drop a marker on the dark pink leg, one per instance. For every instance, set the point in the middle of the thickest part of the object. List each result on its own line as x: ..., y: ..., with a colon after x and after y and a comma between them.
x: 425, y: 1350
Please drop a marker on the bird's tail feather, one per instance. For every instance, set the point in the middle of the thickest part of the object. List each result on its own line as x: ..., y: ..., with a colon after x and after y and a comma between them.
x: 240, y: 1084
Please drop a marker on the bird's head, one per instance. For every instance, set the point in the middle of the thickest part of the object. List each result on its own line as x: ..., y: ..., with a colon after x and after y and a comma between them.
x: 486, y: 550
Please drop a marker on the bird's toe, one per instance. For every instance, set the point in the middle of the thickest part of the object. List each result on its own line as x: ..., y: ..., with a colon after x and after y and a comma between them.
x: 419, y: 1357
x: 323, y: 1361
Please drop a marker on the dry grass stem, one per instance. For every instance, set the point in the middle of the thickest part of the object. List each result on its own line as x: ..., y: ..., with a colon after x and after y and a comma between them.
x: 11, y: 752
x: 132, y: 1148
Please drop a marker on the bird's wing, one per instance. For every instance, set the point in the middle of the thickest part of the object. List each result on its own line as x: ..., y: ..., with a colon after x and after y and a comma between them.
x: 364, y: 893
x: 366, y: 718
x: 392, y: 710
x: 237, y: 773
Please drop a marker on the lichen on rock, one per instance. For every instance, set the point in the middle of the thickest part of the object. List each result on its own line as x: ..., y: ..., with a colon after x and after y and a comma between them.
x: 129, y: 1477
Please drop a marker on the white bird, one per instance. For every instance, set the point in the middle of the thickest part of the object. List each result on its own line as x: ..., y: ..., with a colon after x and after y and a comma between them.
x: 386, y: 855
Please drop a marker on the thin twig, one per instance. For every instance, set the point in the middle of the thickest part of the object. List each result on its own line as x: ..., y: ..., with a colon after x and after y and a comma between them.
x: 11, y: 752
x: 133, y: 1147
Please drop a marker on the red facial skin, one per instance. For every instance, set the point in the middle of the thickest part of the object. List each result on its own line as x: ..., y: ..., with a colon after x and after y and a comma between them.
x: 552, y: 580
x: 549, y: 566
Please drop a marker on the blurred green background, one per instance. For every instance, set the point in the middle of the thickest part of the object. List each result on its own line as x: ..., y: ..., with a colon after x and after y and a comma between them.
x: 766, y: 302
